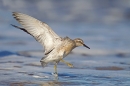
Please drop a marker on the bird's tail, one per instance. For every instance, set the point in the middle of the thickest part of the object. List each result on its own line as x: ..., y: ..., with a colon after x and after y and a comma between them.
x: 43, y: 62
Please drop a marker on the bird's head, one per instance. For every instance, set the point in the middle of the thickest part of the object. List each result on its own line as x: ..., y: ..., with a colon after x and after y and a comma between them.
x: 80, y: 42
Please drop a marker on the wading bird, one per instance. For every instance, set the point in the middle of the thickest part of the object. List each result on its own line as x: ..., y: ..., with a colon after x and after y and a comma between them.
x: 56, y: 47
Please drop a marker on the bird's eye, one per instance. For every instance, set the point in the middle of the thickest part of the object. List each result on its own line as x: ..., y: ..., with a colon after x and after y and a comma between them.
x: 80, y: 41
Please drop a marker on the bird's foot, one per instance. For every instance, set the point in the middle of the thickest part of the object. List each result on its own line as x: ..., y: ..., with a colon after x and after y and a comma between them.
x: 55, y: 75
x: 70, y: 65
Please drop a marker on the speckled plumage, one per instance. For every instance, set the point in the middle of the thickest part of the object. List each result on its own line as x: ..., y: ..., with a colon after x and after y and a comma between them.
x: 60, y: 51
x: 56, y: 48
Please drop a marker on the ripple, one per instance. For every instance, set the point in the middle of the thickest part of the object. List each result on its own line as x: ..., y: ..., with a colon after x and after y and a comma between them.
x: 5, y: 53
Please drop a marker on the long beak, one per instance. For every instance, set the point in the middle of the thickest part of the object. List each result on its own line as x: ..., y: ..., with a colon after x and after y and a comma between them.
x: 86, y: 46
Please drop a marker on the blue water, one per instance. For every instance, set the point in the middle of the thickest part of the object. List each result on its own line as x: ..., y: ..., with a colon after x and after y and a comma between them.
x: 98, y: 37
x: 107, y: 63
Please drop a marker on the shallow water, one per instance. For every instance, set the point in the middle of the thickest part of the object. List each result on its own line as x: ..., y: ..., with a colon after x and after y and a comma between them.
x: 107, y: 63
x: 20, y: 69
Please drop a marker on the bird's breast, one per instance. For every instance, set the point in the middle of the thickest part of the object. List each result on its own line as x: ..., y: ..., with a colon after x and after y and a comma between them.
x: 67, y: 49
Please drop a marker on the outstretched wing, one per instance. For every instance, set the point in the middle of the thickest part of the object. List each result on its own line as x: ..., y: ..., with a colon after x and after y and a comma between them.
x: 39, y: 30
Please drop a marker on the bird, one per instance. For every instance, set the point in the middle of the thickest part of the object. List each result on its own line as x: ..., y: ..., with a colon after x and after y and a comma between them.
x: 55, y: 47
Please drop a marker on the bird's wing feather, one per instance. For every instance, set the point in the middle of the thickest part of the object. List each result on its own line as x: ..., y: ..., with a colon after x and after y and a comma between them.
x: 39, y: 30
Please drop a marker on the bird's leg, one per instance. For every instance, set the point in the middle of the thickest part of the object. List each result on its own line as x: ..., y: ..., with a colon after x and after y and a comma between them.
x: 55, y: 70
x: 67, y: 63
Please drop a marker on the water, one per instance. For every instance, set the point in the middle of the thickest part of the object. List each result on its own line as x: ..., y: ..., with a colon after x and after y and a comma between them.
x: 107, y: 63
